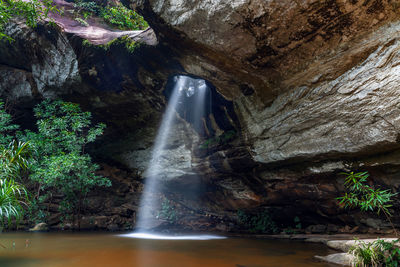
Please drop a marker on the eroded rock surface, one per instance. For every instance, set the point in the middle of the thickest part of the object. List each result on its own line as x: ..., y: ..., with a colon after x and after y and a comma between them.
x: 38, y: 62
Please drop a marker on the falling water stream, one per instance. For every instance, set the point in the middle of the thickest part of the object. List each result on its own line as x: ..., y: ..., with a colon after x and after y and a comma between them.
x: 185, y: 87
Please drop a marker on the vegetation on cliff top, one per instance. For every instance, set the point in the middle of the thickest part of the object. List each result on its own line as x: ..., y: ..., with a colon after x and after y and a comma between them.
x: 115, y: 14
x: 32, y: 11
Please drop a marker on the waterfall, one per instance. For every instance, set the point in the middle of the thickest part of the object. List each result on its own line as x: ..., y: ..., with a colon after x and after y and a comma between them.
x: 184, y: 87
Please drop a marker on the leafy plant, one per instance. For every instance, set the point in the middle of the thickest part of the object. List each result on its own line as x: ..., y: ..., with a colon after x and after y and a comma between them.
x: 7, y: 129
x: 31, y: 10
x: 376, y: 253
x: 60, y: 164
x: 391, y: 252
x: 257, y: 223
x: 168, y: 212
x: 123, y: 18
x: 129, y: 44
x: 82, y: 22
x: 366, y: 197
x: 13, y: 195
x: 88, y: 6
x: 297, y: 226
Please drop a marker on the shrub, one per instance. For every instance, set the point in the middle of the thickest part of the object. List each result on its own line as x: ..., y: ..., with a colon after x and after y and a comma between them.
x: 88, y: 6
x: 13, y: 195
x: 82, y: 22
x: 7, y: 129
x: 376, y: 253
x: 32, y: 11
x: 257, y: 223
x: 123, y: 18
x: 129, y: 44
x: 60, y: 164
x: 168, y: 212
x: 366, y: 197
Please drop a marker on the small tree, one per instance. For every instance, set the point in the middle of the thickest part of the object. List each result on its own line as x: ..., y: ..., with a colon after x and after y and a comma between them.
x: 366, y: 197
x: 61, y: 164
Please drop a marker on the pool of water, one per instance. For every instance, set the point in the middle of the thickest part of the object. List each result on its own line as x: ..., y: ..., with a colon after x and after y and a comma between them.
x: 94, y: 249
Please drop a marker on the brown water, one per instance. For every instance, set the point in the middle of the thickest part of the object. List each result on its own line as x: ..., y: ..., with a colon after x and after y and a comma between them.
x: 59, y: 249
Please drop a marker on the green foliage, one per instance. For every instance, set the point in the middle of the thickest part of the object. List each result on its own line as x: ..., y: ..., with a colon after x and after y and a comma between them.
x: 13, y: 160
x: 168, y: 212
x: 6, y: 127
x: 57, y: 161
x: 12, y: 196
x: 60, y: 163
x: 88, y: 6
x: 129, y: 44
x: 36, y: 213
x: 119, y: 16
x: 115, y: 15
x: 219, y: 140
x: 297, y: 223
x: 376, y: 253
x: 257, y: 223
x: 123, y: 18
x: 82, y: 22
x: 31, y: 10
x: 297, y: 226
x: 363, y: 196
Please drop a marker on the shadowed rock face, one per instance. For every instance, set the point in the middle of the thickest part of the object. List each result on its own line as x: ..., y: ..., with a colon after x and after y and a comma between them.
x: 313, y: 84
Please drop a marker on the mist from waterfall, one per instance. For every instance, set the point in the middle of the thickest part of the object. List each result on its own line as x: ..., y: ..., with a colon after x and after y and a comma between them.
x: 184, y: 87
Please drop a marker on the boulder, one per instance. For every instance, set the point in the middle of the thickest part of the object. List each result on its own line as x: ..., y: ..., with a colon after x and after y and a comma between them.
x: 342, y: 259
x: 40, y: 227
x: 316, y: 229
x: 344, y: 245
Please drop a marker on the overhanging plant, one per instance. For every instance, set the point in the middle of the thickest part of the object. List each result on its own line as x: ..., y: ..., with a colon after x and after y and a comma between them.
x: 366, y: 197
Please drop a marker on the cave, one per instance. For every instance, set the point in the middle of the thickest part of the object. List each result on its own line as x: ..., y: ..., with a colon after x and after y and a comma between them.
x: 255, y: 120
